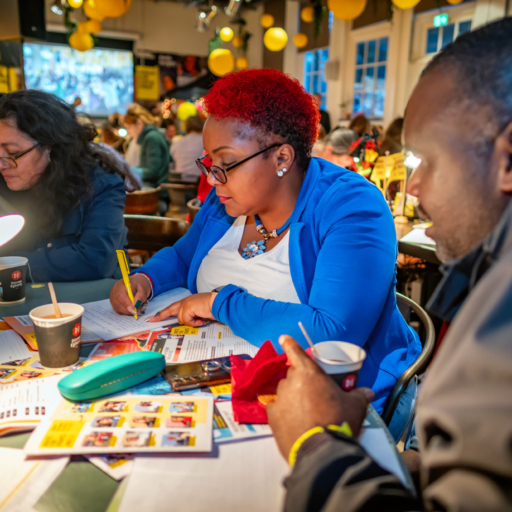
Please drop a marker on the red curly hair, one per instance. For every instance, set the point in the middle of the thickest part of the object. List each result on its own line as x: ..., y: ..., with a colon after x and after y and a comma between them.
x: 269, y: 100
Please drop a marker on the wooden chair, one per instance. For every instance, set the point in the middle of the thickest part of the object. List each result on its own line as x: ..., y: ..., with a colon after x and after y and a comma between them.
x: 180, y: 193
x: 142, y: 202
x: 193, y: 209
x: 146, y: 233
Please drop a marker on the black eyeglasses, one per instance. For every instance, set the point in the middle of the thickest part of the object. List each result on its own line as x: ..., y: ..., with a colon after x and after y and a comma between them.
x: 220, y: 174
x: 10, y: 161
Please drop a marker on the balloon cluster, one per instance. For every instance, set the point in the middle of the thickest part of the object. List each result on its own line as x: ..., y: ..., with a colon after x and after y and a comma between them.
x: 96, y: 11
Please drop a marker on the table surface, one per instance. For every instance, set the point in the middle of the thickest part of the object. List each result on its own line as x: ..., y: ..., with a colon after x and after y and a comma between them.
x: 410, y: 249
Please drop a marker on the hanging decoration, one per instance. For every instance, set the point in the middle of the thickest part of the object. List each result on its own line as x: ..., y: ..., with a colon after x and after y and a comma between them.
x: 113, y: 8
x: 93, y: 26
x: 406, y: 4
x: 455, y: 2
x: 221, y: 62
x: 81, y: 41
x: 76, y: 4
x: 237, y: 41
x: 186, y: 110
x: 319, y: 11
x: 91, y: 10
x: 242, y: 39
x: 241, y: 63
x: 307, y: 15
x: 347, y: 9
x: 226, y: 34
x: 267, y: 21
x: 275, y: 39
x: 300, y: 40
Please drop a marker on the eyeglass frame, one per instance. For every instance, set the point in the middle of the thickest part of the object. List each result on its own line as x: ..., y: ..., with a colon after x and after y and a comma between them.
x: 18, y: 156
x: 207, y: 170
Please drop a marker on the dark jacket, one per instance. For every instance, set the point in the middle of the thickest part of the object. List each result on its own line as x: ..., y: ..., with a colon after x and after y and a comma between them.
x: 464, y: 412
x: 325, y: 121
x: 154, y: 156
x: 85, y: 248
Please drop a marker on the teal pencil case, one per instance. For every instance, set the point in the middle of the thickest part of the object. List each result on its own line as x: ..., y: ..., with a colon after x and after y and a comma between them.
x: 111, y: 375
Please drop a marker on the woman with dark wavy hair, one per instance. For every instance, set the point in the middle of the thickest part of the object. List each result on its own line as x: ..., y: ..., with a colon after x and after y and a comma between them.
x: 70, y: 190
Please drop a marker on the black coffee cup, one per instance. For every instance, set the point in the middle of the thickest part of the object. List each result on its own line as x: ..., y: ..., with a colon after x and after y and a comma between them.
x: 58, y: 339
x: 13, y: 276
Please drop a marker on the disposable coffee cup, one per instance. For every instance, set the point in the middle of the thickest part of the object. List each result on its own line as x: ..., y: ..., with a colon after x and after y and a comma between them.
x: 341, y: 360
x: 58, y: 339
x: 13, y: 276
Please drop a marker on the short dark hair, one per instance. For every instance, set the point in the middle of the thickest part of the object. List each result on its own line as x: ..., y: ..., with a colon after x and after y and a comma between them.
x: 482, y: 62
x: 194, y: 124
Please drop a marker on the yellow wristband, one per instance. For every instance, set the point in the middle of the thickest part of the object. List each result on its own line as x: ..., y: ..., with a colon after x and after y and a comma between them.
x: 292, y: 457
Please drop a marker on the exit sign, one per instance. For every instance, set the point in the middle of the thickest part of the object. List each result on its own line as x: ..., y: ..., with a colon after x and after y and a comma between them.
x: 440, y: 20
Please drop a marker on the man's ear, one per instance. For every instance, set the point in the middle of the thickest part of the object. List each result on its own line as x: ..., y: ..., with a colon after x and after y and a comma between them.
x: 504, y: 148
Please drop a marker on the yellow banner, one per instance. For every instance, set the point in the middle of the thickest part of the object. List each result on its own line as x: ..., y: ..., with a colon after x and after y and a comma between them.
x: 399, y: 171
x: 4, y: 79
x: 147, y: 80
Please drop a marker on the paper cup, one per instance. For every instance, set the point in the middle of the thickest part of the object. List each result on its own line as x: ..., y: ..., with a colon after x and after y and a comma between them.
x: 341, y: 360
x: 13, y: 274
x: 58, y: 339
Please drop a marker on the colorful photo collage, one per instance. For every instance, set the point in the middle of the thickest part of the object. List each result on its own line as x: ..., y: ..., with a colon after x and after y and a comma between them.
x: 127, y: 424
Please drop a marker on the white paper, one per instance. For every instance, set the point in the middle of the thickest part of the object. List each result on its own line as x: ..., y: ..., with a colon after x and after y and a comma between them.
x: 101, y: 319
x: 375, y: 442
x: 417, y: 236
x: 115, y: 466
x: 25, y: 481
x: 232, y: 430
x: 237, y: 477
x: 12, y: 347
x: 184, y: 344
x: 126, y: 424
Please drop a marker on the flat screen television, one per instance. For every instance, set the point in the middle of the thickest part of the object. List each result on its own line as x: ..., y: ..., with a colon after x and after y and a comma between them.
x: 103, y: 79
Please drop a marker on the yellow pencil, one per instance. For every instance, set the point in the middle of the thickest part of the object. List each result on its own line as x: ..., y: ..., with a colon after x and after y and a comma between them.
x: 121, y: 256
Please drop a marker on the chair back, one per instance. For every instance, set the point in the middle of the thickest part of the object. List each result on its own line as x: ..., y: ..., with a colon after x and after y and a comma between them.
x: 142, y: 202
x: 146, y: 233
x: 193, y: 209
x: 407, y: 308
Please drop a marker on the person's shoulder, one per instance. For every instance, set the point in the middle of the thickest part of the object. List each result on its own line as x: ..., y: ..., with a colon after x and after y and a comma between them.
x: 101, y: 179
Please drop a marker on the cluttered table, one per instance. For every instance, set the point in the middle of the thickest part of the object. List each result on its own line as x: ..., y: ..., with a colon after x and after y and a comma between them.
x: 412, y: 241
x: 245, y: 472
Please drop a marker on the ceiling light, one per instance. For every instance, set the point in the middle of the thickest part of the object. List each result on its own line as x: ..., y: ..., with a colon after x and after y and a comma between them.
x: 233, y: 7
x: 57, y: 7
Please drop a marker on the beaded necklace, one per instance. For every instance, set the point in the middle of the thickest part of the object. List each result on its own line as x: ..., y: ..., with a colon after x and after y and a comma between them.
x: 259, y: 247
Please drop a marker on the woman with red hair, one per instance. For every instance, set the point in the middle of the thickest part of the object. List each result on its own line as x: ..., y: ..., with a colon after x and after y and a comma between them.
x: 283, y: 237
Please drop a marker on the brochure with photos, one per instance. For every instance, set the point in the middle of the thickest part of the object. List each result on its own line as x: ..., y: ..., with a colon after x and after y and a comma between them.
x: 126, y: 424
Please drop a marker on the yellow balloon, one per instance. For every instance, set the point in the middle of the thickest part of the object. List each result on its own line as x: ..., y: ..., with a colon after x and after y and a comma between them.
x: 406, y: 4
x: 91, y: 10
x: 300, y: 40
x: 453, y: 2
x: 267, y: 20
x: 221, y: 62
x: 78, y: 3
x: 275, y: 39
x: 81, y: 28
x: 347, y: 9
x: 237, y: 41
x: 241, y: 63
x: 307, y: 14
x: 93, y: 26
x: 226, y: 34
x: 186, y: 110
x: 113, y: 8
x: 81, y: 41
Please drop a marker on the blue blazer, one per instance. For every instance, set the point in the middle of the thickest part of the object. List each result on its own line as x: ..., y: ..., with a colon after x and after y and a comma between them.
x: 343, y: 252
x: 85, y: 248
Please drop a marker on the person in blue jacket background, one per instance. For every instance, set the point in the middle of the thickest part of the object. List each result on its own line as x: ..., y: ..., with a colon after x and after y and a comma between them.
x: 283, y: 237
x: 70, y: 191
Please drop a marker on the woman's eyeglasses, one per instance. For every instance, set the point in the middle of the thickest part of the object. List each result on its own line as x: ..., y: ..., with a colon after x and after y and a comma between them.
x: 11, y: 161
x: 220, y: 174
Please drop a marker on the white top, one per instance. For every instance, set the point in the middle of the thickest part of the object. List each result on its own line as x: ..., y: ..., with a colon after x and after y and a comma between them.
x: 266, y: 276
x: 185, y: 152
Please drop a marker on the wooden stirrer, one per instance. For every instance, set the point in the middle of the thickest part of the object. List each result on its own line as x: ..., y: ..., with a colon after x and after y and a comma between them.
x: 54, y: 301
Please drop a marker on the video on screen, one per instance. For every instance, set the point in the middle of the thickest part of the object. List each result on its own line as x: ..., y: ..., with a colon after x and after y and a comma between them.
x: 102, y: 79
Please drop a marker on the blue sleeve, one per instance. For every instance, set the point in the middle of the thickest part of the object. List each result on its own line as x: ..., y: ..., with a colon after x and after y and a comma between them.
x: 355, y: 268
x: 93, y: 256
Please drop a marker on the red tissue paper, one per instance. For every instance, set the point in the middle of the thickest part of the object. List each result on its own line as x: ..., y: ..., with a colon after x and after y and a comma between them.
x: 247, y: 376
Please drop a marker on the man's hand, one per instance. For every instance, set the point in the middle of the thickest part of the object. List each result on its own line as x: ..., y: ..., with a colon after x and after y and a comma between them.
x: 195, y: 310
x: 119, y: 299
x: 308, y: 398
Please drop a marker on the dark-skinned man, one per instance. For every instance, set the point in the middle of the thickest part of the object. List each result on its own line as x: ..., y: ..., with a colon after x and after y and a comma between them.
x: 459, y: 123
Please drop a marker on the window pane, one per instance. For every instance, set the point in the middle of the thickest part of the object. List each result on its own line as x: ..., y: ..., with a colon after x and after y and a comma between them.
x: 368, y: 79
x: 308, y: 84
x: 381, y: 77
x: 309, y: 62
x: 317, y: 63
x: 324, y: 86
x: 360, y: 54
x: 383, y: 49
x: 323, y: 104
x: 359, y: 78
x: 371, y: 52
x: 357, y: 103
x: 368, y: 104
x: 325, y: 55
x: 315, y: 84
x: 464, y: 26
x: 432, y: 39
x: 378, y: 107
x: 448, y: 33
